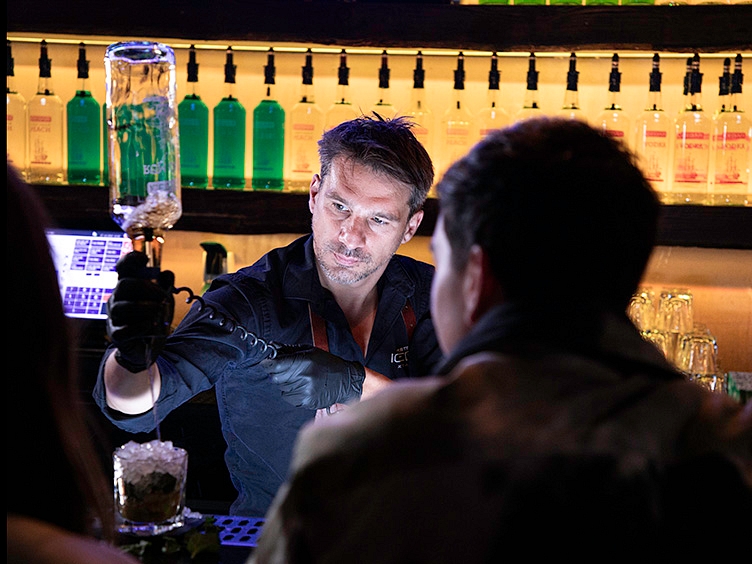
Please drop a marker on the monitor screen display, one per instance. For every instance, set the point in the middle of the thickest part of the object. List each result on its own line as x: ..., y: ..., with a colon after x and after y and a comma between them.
x: 85, y: 264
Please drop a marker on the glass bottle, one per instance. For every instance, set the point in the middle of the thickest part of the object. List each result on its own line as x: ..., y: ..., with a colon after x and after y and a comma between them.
x: 458, y: 131
x: 16, y: 120
x: 492, y: 115
x: 84, y: 129
x: 530, y: 107
x: 142, y: 118
x: 732, y: 155
x: 45, y: 140
x: 229, y: 134
x: 613, y: 120
x: 193, y: 120
x: 421, y: 114
x: 653, y: 136
x: 571, y: 107
x: 306, y: 127
x: 384, y: 105
x: 268, y: 136
x: 105, y: 146
x: 342, y: 109
x: 691, y: 160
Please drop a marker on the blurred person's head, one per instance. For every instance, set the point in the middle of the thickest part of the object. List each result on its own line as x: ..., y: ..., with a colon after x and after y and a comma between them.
x: 549, y: 212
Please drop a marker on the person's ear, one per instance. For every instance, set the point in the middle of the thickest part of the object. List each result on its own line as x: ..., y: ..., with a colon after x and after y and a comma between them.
x: 480, y: 288
x: 313, y: 191
x: 412, y: 226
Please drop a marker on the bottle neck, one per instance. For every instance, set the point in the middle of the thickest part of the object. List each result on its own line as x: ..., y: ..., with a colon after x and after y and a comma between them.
x: 230, y: 90
x: 11, y: 85
x: 613, y: 101
x: 695, y: 102
x: 44, y: 86
x: 306, y: 93
x: 531, y: 99
x: 193, y: 89
x: 654, y: 101
x: 343, y: 94
x: 83, y: 85
x: 734, y: 103
x: 571, y: 100
x: 492, y: 99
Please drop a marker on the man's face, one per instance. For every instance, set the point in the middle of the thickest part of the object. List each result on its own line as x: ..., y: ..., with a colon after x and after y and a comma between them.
x: 360, y: 219
x: 448, y: 303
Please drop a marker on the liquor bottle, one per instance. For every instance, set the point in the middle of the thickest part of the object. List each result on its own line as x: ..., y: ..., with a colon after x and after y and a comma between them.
x: 193, y: 121
x: 724, y: 88
x: 342, y: 109
x: 530, y: 107
x: 422, y: 116
x: 732, y: 155
x: 45, y: 140
x: 687, y: 77
x: 458, y: 131
x: 16, y: 120
x: 384, y: 105
x: 571, y: 107
x: 654, y: 135
x: 268, y: 136
x: 229, y: 134
x: 492, y: 115
x: 612, y: 120
x: 306, y: 126
x: 689, y: 183
x: 84, y: 129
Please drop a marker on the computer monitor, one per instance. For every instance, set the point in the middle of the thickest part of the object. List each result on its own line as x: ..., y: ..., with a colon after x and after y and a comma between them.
x: 85, y: 264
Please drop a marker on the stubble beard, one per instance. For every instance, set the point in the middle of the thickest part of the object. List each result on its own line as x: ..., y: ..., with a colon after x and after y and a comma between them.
x: 342, y: 274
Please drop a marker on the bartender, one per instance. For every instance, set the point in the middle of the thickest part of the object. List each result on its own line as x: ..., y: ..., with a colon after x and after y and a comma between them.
x: 327, y: 320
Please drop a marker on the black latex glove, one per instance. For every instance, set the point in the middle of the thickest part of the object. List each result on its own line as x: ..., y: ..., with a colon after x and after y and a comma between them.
x: 313, y: 378
x: 139, y: 312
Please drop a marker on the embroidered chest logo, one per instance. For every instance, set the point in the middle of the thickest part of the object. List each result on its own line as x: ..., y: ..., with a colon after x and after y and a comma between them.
x: 399, y: 357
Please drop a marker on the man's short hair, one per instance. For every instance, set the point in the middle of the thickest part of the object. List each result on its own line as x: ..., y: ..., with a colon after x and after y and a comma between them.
x: 387, y: 146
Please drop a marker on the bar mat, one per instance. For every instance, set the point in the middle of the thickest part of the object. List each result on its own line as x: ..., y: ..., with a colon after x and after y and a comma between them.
x: 238, y: 531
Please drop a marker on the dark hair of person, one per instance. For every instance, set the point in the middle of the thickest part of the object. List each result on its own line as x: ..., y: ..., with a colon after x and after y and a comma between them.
x: 562, y: 210
x: 55, y: 473
x: 387, y: 146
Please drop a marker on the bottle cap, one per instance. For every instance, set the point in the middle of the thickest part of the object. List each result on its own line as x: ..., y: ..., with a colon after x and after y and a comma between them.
x: 308, y: 68
x: 230, y: 68
x: 459, y: 73
x: 419, y: 75
x: 343, y: 72
x: 11, y: 65
x: 384, y: 71
x: 45, y: 63
x: 573, y: 74
x: 192, y: 65
x: 269, y: 69
x: 655, y: 74
x: 532, y: 74
x: 494, y: 75
x: 82, y: 64
x: 614, y: 79
x: 737, y: 78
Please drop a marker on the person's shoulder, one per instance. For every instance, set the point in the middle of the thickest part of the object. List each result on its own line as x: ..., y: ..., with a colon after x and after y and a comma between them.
x: 31, y: 541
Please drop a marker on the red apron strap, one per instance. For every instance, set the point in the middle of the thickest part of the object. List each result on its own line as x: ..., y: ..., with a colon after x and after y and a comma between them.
x: 408, y: 315
x: 318, y: 330
x: 318, y: 326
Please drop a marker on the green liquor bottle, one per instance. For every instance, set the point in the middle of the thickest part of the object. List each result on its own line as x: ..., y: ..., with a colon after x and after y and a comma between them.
x: 268, y: 136
x: 193, y: 120
x: 229, y: 134
x: 84, y: 129
x: 105, y: 146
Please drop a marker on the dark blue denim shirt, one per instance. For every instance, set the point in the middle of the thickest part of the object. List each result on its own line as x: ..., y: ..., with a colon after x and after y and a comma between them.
x: 271, y: 300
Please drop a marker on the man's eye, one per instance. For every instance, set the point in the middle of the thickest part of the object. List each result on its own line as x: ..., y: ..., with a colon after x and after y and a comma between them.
x: 379, y: 221
x: 340, y: 207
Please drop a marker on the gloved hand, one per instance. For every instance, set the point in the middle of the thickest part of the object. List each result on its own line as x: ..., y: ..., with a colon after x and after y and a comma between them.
x: 139, y: 312
x: 313, y: 378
